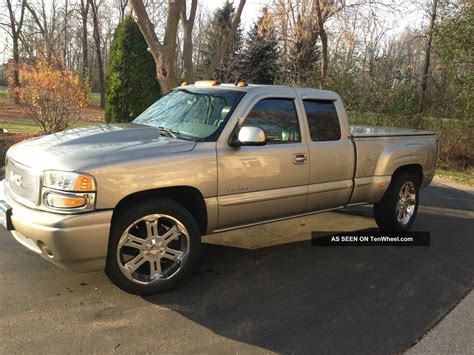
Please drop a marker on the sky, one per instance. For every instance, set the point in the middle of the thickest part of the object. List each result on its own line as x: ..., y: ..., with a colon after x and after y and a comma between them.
x: 411, y: 18
x: 412, y: 15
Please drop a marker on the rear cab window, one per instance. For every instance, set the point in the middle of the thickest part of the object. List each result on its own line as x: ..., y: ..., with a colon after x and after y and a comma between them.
x: 323, y: 121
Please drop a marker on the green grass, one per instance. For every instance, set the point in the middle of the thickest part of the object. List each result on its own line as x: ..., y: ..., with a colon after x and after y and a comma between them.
x: 3, y: 94
x: 94, y: 98
x: 466, y: 178
x: 30, y: 126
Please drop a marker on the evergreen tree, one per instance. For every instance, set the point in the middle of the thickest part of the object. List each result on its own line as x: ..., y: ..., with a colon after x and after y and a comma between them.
x: 217, y: 30
x: 131, y: 82
x: 260, y: 59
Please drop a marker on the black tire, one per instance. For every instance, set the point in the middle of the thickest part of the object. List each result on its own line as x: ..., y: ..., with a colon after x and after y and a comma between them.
x: 385, y: 211
x: 126, y: 217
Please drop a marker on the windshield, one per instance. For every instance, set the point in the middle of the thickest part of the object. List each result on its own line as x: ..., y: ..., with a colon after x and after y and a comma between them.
x: 191, y: 113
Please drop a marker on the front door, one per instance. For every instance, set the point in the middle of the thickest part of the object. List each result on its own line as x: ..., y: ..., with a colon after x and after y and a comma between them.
x: 257, y: 183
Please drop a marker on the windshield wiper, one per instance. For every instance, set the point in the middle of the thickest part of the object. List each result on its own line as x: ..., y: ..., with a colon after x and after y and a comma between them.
x: 171, y: 132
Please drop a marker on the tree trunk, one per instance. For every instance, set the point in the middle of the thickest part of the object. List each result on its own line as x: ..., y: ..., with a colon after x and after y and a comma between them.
x: 98, y: 48
x: 85, y: 50
x: 426, y: 64
x: 324, y: 44
x: 163, y: 54
x: 15, y: 33
x: 188, y: 23
x: 227, y: 41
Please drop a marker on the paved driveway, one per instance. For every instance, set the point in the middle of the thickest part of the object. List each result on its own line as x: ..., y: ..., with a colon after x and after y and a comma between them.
x: 262, y: 289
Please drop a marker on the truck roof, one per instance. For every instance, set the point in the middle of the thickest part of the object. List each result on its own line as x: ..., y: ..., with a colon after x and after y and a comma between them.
x: 275, y: 89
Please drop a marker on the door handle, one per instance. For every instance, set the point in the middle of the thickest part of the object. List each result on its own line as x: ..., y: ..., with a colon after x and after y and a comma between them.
x: 300, y: 158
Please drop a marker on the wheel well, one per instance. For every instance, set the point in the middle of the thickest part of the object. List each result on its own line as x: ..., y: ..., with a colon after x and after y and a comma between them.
x: 189, y: 197
x: 414, y: 169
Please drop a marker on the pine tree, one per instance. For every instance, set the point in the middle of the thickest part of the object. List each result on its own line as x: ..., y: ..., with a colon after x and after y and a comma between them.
x: 260, y: 58
x: 218, y: 29
x: 131, y: 82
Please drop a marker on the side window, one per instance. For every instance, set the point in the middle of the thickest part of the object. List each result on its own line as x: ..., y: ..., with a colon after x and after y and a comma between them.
x: 322, y: 120
x: 278, y: 118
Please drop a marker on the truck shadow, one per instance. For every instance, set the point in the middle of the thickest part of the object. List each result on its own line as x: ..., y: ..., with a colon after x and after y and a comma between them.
x: 298, y: 298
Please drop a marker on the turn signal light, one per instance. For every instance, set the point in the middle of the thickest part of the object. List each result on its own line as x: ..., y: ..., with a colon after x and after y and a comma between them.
x: 62, y: 201
x: 84, y: 183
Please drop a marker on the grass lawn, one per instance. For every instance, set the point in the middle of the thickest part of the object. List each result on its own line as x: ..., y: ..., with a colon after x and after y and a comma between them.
x: 30, y: 126
x: 466, y: 178
x: 3, y: 94
x: 94, y: 98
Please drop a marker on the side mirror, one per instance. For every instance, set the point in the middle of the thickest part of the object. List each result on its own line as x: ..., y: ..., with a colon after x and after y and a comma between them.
x: 249, y: 135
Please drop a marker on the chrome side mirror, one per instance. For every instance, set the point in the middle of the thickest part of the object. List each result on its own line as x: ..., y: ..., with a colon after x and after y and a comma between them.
x: 250, y: 135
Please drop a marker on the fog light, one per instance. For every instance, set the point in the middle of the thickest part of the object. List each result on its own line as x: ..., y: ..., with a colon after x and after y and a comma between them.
x: 65, y: 201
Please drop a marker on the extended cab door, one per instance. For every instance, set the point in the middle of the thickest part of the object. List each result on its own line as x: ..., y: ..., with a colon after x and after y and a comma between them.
x: 331, y: 152
x: 257, y: 183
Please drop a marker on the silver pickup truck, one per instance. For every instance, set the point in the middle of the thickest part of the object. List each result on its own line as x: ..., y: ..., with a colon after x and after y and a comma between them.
x: 134, y: 199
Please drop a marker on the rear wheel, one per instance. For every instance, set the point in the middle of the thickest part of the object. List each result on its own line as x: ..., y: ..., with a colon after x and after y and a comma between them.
x: 397, y: 209
x: 152, y: 247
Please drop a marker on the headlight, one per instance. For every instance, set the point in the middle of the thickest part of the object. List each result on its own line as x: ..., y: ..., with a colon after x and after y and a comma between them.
x: 67, y: 181
x: 68, y: 191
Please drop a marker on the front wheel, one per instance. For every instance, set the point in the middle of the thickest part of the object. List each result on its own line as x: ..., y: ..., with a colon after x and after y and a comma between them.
x: 397, y: 209
x: 152, y: 247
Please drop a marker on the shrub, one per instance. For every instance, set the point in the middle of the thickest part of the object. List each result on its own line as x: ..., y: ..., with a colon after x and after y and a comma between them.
x: 51, y: 94
x: 131, y: 84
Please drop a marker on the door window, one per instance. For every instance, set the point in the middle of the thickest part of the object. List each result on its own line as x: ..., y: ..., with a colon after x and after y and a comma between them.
x: 278, y: 118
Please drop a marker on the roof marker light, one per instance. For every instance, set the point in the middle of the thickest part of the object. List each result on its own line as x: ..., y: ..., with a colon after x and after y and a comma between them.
x: 206, y: 83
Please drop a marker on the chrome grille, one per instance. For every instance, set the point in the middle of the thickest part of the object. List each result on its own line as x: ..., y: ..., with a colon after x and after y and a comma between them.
x: 22, y: 182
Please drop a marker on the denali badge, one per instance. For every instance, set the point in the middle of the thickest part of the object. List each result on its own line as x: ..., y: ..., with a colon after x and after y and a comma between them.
x: 15, y: 178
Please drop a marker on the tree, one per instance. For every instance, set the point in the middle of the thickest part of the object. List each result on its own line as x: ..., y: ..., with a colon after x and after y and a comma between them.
x: 15, y: 32
x: 221, y: 55
x: 165, y: 52
x: 84, y: 10
x: 131, y: 81
x: 260, y: 57
x: 427, y: 59
x: 51, y: 94
x: 98, y: 48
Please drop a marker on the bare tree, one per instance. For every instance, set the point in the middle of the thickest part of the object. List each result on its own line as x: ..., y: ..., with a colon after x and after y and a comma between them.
x: 188, y: 24
x: 84, y: 10
x: 122, y: 7
x: 427, y: 59
x: 227, y: 41
x: 98, y: 48
x: 165, y: 52
x: 15, y: 27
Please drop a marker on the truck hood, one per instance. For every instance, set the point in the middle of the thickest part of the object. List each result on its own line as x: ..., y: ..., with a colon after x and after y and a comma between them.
x: 82, y: 148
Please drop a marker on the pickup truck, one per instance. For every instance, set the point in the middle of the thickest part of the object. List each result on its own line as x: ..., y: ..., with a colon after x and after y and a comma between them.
x: 134, y: 199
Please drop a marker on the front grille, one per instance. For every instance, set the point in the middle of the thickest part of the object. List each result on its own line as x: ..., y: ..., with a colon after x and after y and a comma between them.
x: 22, y: 182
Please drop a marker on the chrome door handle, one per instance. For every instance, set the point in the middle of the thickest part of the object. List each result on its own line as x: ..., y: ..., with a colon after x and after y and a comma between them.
x: 300, y: 158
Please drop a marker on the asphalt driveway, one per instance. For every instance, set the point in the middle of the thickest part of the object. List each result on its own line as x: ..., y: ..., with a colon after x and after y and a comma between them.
x: 262, y: 289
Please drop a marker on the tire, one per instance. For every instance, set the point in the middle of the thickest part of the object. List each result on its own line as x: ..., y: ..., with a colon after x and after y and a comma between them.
x: 397, y: 209
x: 153, y: 246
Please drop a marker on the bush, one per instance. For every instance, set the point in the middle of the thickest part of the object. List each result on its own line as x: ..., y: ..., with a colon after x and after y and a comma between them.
x: 455, y: 136
x: 131, y: 84
x: 51, y: 94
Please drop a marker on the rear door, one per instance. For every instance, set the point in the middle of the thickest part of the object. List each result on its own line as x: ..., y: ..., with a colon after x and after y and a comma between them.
x: 331, y: 155
x: 257, y: 183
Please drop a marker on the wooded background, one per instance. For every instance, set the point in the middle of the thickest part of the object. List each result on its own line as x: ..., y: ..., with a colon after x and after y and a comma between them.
x: 419, y: 76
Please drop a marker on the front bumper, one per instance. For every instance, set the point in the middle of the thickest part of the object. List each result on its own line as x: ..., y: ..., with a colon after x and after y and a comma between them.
x: 76, y: 242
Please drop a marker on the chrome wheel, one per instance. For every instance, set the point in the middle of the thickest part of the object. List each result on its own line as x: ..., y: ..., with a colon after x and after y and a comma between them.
x: 406, y: 203
x: 153, y: 248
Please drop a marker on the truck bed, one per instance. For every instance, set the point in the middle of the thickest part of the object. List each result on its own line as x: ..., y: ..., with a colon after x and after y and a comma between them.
x: 362, y: 131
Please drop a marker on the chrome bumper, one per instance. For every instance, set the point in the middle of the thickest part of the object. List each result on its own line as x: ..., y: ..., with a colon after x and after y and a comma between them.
x: 77, y: 242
